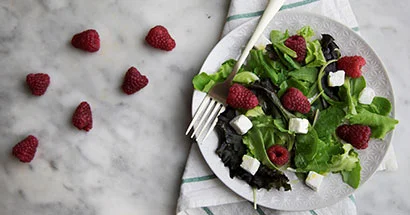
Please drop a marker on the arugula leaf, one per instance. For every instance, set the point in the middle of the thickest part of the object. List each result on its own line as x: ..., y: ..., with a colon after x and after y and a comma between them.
x: 293, y: 64
x: 282, y: 88
x: 306, y: 148
x: 278, y: 38
x: 314, y: 154
x: 380, y: 125
x: 301, y: 85
x: 351, y: 91
x: 273, y: 98
x: 280, y: 125
x: 328, y: 121
x: 313, y: 90
x: 379, y: 105
x: 308, y: 74
x: 356, y: 86
x: 259, y: 138
x: 259, y: 63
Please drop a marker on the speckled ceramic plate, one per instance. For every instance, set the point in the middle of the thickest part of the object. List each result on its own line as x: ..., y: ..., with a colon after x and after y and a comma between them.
x: 333, y: 189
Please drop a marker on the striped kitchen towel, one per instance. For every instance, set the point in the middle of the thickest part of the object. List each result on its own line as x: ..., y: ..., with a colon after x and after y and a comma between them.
x: 201, y: 191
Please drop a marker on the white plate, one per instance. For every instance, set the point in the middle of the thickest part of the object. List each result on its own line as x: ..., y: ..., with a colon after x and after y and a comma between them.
x: 333, y: 189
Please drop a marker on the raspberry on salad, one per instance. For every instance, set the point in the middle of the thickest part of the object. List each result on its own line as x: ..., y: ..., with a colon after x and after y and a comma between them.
x: 134, y: 81
x: 278, y: 154
x: 82, y: 117
x: 38, y: 83
x: 88, y: 40
x: 298, y: 44
x: 352, y: 65
x: 294, y: 100
x: 159, y: 37
x: 26, y: 149
x: 357, y: 135
x: 241, y: 97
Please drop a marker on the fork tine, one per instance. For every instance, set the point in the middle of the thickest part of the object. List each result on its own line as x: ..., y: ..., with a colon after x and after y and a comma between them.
x: 203, y: 117
x: 214, y: 122
x: 211, y: 117
x: 198, y: 112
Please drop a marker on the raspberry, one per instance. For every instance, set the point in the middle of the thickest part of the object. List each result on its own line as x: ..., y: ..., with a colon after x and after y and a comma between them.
x: 357, y: 135
x: 88, y: 40
x: 298, y: 44
x: 38, y: 83
x: 294, y: 100
x: 82, y: 117
x: 240, y: 97
x: 278, y: 154
x: 26, y: 149
x: 352, y: 65
x: 158, y: 37
x: 133, y: 81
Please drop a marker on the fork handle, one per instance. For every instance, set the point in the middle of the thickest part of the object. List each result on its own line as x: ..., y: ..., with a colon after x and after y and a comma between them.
x: 271, y: 9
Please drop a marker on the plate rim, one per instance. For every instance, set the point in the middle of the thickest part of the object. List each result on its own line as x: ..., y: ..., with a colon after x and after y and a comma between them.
x: 253, y: 21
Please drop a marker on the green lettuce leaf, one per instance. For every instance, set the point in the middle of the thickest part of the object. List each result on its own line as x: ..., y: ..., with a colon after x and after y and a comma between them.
x: 314, y: 54
x: 380, y: 125
x: 204, y: 82
x: 352, y: 178
x: 328, y: 121
x: 346, y: 161
x: 259, y: 63
x: 306, y: 32
x: 259, y: 138
x: 308, y: 74
x: 356, y: 86
x: 306, y: 148
x: 245, y: 77
x: 256, y: 111
x: 278, y: 38
x: 379, y: 105
x: 231, y: 149
x: 303, y: 86
x: 314, y: 154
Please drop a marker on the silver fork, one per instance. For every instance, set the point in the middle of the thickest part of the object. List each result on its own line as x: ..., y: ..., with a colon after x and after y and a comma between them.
x: 214, y: 103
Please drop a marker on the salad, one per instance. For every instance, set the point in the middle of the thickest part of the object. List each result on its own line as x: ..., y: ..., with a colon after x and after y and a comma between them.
x: 299, y: 105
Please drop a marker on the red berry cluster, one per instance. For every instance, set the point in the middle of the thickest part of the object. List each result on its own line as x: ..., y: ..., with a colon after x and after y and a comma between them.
x: 89, y: 41
x: 357, y: 135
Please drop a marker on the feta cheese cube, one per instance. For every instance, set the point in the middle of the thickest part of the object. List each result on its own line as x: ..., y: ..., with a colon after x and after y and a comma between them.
x: 314, y: 180
x: 241, y: 124
x: 299, y: 125
x: 336, y: 79
x: 366, y: 96
x: 262, y: 42
x: 250, y: 164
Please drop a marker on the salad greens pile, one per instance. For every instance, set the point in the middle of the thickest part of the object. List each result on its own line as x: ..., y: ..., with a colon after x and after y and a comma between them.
x: 269, y: 72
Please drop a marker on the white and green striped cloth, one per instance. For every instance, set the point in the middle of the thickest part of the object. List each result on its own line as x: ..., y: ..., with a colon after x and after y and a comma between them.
x: 201, y: 191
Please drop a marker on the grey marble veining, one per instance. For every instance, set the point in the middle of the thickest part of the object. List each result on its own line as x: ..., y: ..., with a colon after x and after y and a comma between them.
x: 132, y: 160
x: 385, y: 27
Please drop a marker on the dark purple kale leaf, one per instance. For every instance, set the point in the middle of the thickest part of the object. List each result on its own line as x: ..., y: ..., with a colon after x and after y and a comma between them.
x: 231, y: 150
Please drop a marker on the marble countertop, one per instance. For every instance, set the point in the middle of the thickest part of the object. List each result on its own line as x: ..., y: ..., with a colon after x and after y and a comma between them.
x: 132, y: 161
